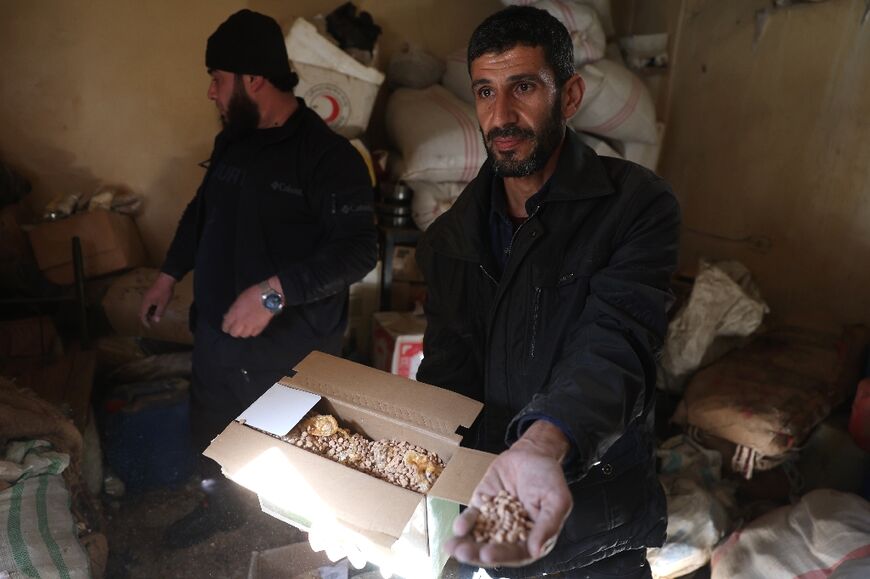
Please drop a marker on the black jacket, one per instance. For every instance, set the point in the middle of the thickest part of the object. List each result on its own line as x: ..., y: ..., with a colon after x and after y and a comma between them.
x: 305, y: 210
x: 571, y: 331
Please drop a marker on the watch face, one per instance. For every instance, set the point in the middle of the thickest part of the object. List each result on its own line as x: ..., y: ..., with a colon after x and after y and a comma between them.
x: 272, y: 302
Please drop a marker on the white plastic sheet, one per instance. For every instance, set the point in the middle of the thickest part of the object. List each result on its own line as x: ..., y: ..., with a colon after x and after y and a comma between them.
x: 724, y: 303
x: 697, y: 514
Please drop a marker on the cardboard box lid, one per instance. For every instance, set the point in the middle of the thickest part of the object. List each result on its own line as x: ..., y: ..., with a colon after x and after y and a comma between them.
x: 465, y: 469
x: 434, y: 409
x: 268, y: 465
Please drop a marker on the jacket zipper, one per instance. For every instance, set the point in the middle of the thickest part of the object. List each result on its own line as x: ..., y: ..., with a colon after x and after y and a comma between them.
x: 514, y: 236
x: 498, y: 297
x: 536, y: 308
x: 487, y: 274
x: 537, y: 290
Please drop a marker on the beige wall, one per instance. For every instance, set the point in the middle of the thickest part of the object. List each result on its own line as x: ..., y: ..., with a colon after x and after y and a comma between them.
x: 113, y: 91
x: 768, y: 140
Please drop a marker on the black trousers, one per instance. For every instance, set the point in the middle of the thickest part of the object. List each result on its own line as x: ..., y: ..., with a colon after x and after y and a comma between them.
x: 227, y: 379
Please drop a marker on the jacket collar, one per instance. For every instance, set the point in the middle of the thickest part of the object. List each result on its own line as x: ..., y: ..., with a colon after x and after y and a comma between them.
x: 270, y: 135
x: 462, y: 232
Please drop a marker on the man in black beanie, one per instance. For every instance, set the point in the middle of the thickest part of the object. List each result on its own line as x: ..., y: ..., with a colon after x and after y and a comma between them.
x: 281, y: 225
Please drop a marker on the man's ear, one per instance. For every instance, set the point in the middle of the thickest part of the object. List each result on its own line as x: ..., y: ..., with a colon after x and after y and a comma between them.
x: 254, y: 83
x: 572, y: 95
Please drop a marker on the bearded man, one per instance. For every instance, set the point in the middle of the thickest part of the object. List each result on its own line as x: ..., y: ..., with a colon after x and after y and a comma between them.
x: 281, y: 225
x: 548, y: 285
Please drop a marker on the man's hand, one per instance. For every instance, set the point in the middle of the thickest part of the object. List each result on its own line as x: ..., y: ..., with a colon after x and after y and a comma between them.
x: 156, y: 299
x: 531, y: 470
x: 247, y: 317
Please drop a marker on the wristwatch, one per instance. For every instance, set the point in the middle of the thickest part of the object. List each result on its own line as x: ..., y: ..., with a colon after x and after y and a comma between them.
x: 271, y: 298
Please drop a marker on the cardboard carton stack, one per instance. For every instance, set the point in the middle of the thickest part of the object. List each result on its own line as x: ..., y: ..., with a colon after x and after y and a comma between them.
x: 110, y: 243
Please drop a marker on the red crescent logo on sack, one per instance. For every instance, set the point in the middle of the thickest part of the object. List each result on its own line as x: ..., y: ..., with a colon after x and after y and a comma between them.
x: 335, y: 109
x: 330, y: 102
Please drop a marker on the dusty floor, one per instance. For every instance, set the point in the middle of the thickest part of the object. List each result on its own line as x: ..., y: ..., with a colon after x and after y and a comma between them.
x: 135, y: 525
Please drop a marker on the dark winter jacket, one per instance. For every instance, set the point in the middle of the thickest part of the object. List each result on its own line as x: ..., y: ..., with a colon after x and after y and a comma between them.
x: 570, y: 331
x: 305, y: 215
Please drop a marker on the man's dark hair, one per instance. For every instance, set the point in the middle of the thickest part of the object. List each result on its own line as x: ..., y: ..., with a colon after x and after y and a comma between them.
x: 284, y: 83
x: 526, y: 26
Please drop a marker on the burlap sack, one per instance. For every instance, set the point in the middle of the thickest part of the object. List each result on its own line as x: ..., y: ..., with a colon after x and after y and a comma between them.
x: 124, y: 298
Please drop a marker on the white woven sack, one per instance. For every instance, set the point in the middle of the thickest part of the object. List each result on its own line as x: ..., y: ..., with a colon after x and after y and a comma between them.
x: 431, y: 200
x: 38, y: 533
x: 456, y: 78
x: 436, y: 134
x: 810, y: 539
x: 414, y: 67
x: 600, y: 146
x: 583, y: 25
x: 616, y: 104
x: 602, y: 8
x: 643, y: 153
x: 582, y: 22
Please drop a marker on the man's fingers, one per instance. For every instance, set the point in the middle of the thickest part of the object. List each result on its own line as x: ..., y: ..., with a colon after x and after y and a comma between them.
x: 355, y: 556
x: 463, y: 524
x: 238, y: 329
x: 335, y: 552
x: 144, y: 312
x: 504, y: 555
x: 466, y: 550
x: 159, y: 309
x: 547, y: 526
x: 463, y: 549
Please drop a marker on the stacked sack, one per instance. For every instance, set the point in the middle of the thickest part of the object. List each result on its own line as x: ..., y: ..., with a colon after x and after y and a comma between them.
x: 435, y: 128
x: 440, y: 145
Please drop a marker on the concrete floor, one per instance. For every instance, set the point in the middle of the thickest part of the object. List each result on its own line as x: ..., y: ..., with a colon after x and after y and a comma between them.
x: 135, y: 525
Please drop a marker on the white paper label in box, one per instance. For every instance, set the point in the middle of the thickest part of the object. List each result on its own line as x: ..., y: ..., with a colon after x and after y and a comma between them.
x: 279, y: 409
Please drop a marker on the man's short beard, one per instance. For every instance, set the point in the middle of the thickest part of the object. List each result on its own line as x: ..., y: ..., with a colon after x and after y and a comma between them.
x: 242, y: 112
x: 546, y: 141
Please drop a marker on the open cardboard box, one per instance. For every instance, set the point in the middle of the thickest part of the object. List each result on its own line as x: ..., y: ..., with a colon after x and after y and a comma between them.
x: 394, y: 528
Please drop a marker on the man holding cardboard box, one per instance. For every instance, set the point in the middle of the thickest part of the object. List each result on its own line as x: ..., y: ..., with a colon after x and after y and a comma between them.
x: 548, y: 289
x: 280, y: 227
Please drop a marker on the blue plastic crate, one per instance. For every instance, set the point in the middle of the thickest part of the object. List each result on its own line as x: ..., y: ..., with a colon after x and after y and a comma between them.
x: 147, y: 434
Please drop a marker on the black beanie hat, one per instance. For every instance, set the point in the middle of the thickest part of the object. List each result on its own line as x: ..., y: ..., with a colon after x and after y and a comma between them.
x: 248, y: 43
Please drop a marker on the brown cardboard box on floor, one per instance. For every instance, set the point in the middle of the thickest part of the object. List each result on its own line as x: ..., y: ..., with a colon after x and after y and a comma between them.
x: 397, y: 342
x: 110, y: 243
x: 394, y: 528
x: 405, y: 265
